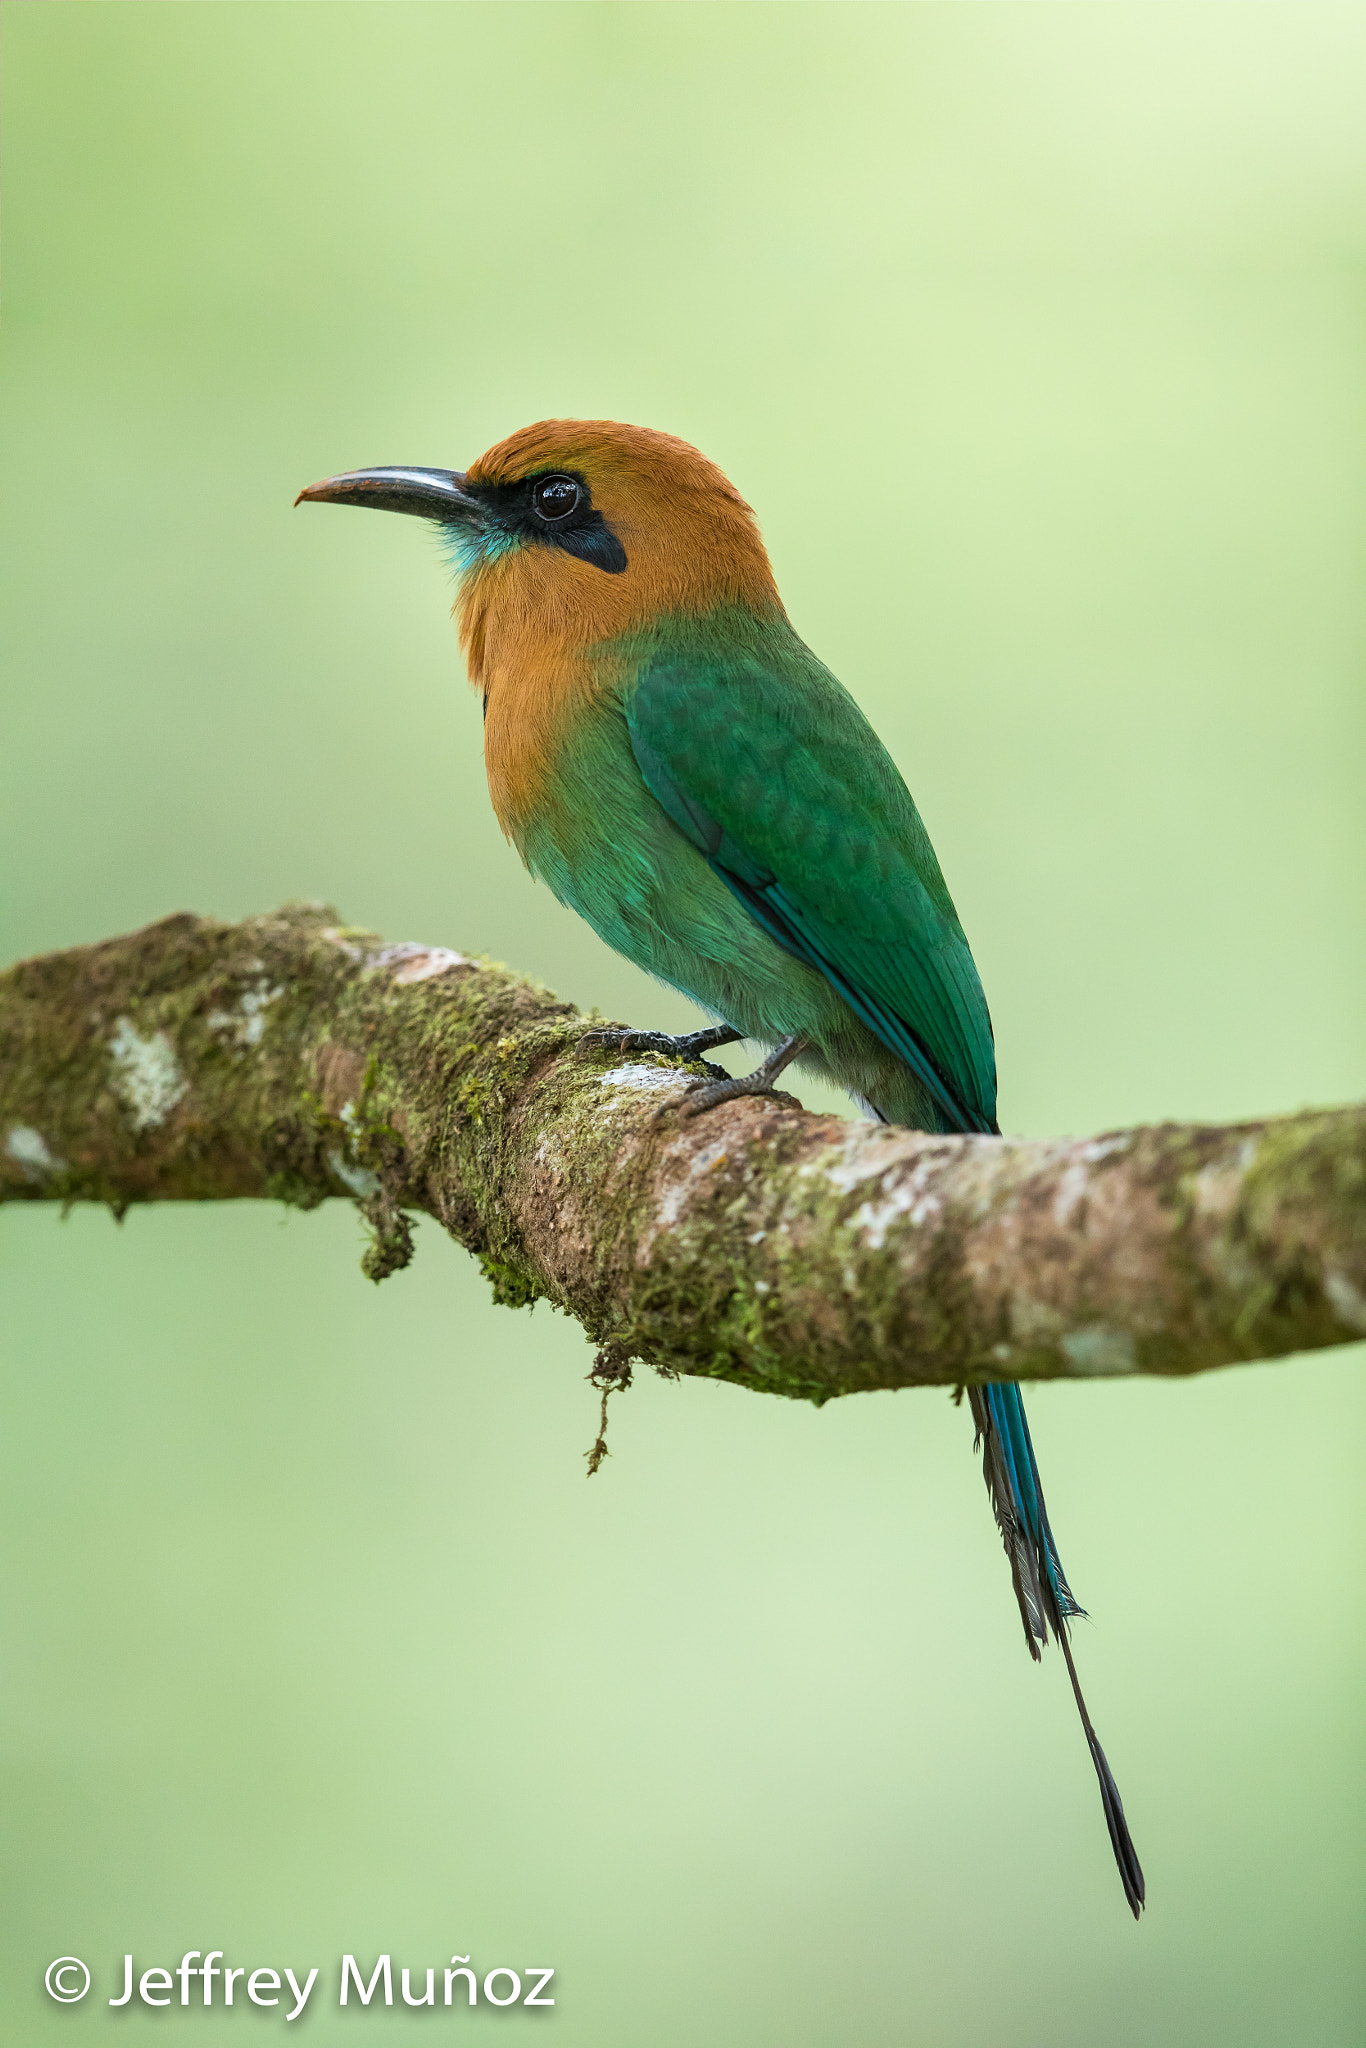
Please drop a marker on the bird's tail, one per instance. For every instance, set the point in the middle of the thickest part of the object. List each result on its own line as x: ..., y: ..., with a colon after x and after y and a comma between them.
x: 1047, y: 1602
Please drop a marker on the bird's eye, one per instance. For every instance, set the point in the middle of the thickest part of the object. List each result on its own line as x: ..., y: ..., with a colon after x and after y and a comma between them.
x: 555, y: 497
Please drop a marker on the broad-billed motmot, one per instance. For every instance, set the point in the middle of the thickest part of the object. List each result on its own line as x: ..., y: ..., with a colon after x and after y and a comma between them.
x: 666, y: 753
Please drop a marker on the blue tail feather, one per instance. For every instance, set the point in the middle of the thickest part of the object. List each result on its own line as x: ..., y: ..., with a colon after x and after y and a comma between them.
x: 1005, y: 1405
x: 1047, y: 1602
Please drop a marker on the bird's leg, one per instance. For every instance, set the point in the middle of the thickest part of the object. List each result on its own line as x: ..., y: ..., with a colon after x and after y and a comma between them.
x: 706, y: 1094
x: 690, y: 1046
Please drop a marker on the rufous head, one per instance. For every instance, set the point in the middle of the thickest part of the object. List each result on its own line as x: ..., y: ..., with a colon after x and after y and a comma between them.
x: 583, y: 530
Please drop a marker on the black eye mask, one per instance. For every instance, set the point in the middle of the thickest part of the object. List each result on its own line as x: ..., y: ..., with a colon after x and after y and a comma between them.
x: 554, y: 509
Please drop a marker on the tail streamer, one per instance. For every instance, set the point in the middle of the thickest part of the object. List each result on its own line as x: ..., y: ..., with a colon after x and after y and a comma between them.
x: 1047, y: 1603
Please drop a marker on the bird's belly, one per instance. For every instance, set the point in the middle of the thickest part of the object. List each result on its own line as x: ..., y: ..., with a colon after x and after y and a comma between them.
x: 608, y: 850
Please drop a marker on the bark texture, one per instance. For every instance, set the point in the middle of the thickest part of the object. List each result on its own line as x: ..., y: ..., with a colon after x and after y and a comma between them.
x: 294, y: 1058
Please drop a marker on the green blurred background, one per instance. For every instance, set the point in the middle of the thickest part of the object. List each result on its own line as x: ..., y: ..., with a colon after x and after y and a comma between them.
x: 1037, y: 336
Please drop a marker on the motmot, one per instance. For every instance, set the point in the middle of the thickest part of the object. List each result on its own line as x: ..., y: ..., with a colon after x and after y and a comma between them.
x: 676, y: 764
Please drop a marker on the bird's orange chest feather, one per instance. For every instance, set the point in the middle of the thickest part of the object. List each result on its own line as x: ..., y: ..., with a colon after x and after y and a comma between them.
x: 535, y: 643
x: 530, y: 714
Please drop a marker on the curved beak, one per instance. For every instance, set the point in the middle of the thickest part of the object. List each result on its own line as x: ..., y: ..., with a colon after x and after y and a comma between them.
x: 430, y: 493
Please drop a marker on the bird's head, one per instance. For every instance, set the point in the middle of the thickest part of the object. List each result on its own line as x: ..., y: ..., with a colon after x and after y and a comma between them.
x: 576, y: 532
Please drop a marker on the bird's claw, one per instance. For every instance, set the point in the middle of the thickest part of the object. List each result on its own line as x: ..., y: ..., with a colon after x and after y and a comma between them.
x: 689, y: 1046
x: 621, y: 1041
x: 703, y: 1095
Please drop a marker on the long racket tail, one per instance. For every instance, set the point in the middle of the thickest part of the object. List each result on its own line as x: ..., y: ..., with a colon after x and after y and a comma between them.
x: 1047, y: 1603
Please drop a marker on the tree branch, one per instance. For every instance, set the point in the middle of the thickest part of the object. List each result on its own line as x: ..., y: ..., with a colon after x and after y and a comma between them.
x: 291, y: 1058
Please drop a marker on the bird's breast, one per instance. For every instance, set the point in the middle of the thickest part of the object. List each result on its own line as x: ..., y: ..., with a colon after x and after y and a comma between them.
x: 538, y: 710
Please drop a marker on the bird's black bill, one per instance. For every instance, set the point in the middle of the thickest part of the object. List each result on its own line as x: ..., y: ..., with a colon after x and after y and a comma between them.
x: 430, y: 493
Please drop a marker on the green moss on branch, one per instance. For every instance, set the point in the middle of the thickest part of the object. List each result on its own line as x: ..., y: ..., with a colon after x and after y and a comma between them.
x: 296, y: 1059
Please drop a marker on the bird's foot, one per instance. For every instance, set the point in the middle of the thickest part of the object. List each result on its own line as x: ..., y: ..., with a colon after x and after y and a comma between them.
x: 707, y: 1094
x: 691, y: 1046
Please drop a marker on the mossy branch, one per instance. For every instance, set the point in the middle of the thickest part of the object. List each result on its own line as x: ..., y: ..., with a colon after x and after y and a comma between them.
x: 293, y: 1058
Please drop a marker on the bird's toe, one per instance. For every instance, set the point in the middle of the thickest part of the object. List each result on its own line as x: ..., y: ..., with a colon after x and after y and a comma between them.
x: 604, y: 1039
x: 703, y: 1095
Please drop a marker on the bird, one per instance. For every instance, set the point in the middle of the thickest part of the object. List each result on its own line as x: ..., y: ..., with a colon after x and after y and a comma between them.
x: 667, y: 754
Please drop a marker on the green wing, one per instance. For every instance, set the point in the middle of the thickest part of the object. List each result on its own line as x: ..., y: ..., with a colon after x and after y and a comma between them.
x: 772, y: 771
